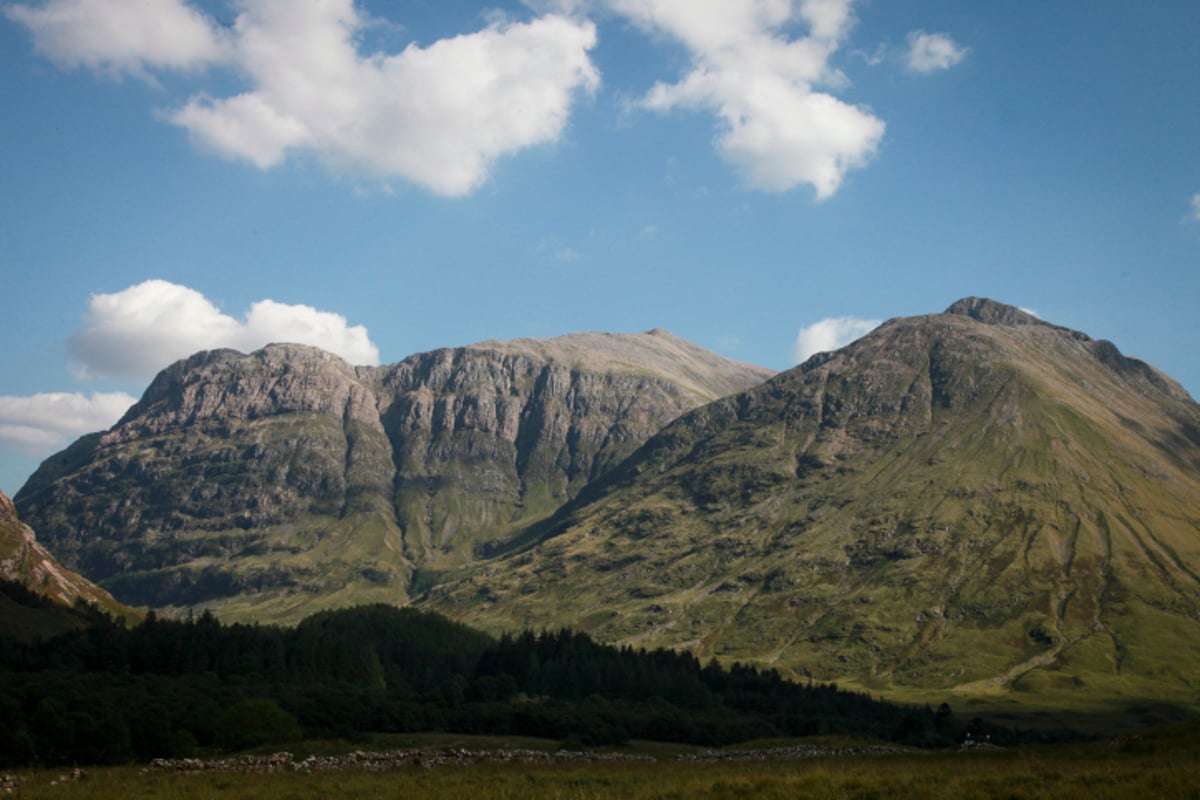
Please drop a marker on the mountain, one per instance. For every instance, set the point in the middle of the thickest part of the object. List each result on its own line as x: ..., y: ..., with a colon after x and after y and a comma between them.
x: 38, y: 596
x: 972, y: 503
x: 278, y: 483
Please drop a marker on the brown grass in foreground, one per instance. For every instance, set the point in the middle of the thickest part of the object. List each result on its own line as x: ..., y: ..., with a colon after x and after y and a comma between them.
x: 1160, y: 768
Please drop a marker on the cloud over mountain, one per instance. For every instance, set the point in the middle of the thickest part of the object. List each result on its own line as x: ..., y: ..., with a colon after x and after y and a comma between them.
x: 830, y: 334
x: 128, y: 336
x: 37, y: 424
x: 133, y: 333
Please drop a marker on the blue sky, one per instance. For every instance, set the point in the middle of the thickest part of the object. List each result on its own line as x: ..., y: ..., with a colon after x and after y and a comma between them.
x: 763, y: 177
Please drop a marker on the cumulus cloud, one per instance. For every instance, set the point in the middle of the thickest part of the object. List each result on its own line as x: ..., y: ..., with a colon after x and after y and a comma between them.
x: 36, y: 425
x: 930, y: 52
x: 776, y: 127
x: 133, y: 333
x: 117, y: 36
x: 439, y: 116
x: 830, y: 334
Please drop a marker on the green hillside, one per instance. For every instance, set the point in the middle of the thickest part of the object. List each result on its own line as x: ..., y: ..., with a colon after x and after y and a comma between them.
x: 974, y: 502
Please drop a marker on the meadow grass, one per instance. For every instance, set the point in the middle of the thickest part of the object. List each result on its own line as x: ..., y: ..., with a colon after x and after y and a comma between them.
x: 1154, y: 768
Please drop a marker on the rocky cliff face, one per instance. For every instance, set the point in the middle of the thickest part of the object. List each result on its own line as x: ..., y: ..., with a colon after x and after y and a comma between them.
x: 24, y: 561
x: 287, y: 480
x: 972, y: 502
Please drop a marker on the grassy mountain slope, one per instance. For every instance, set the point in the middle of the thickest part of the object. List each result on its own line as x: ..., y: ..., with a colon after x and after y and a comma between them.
x: 39, y: 596
x: 271, y: 485
x: 973, y: 502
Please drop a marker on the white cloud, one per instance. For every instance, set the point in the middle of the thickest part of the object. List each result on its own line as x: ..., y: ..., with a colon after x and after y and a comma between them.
x: 134, y: 333
x: 117, y: 36
x: 268, y: 321
x: 439, y: 116
x: 830, y: 334
x: 776, y: 128
x: 930, y: 52
x: 38, y: 424
x: 243, y: 127
x: 1196, y: 207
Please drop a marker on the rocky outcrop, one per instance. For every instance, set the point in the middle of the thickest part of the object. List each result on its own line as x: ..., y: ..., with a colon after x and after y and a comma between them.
x: 24, y: 561
x: 504, y: 433
x: 286, y: 479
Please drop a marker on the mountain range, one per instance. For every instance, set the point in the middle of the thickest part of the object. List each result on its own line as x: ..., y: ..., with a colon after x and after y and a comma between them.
x: 975, y: 503
x: 275, y: 484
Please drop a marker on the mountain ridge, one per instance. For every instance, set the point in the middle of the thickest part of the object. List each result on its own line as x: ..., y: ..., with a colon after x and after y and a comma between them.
x: 974, y: 501
x: 975, y: 504
x: 315, y: 475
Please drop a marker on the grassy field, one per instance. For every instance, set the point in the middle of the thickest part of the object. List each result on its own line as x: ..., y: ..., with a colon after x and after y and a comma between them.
x: 1163, y: 764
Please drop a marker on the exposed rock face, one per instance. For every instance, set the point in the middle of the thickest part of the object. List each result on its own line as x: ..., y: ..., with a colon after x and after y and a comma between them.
x: 286, y: 480
x: 23, y: 560
x: 969, y: 502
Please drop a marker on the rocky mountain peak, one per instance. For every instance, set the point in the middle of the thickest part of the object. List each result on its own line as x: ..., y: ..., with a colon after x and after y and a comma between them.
x: 655, y: 354
x: 1064, y: 346
x: 992, y: 312
x: 964, y: 502
x: 220, y: 384
x: 289, y: 474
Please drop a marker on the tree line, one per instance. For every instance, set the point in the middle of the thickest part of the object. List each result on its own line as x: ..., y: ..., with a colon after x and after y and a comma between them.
x: 107, y: 693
